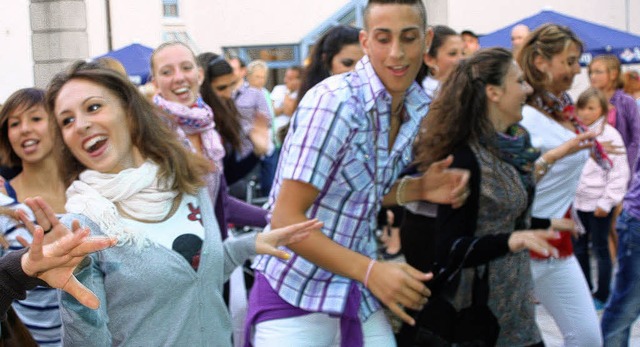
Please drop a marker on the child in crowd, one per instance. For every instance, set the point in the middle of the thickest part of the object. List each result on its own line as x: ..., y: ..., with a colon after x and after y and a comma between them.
x: 598, y: 193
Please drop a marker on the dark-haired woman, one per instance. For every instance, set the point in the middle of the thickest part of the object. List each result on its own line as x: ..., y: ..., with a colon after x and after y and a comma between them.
x: 445, y: 52
x: 475, y: 118
x: 336, y: 52
x: 217, y: 92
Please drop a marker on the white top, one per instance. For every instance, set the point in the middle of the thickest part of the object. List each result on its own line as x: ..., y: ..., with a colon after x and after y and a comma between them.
x: 600, y: 188
x: 183, y: 232
x: 430, y: 86
x: 277, y: 95
x: 556, y: 190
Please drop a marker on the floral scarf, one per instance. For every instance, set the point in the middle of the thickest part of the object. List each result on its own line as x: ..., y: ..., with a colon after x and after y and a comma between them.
x: 197, y: 119
x: 563, y: 108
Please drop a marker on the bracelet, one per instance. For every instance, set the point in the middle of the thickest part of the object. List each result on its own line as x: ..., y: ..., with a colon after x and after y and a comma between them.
x: 366, y: 276
x: 400, y: 196
x: 544, y: 166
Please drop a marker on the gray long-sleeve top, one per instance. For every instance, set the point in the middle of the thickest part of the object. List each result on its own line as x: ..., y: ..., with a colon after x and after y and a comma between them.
x: 153, y: 297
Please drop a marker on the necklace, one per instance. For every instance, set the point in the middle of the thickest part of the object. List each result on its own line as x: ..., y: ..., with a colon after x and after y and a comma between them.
x: 398, y: 109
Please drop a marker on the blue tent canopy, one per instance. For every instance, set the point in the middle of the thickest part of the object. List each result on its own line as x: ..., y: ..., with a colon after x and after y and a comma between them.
x: 135, y: 59
x: 597, y: 39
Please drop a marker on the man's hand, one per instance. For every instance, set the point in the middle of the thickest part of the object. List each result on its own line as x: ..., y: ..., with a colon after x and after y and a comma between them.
x: 442, y: 185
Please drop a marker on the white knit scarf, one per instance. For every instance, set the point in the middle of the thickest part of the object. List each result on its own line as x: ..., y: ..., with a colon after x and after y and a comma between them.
x: 137, y: 191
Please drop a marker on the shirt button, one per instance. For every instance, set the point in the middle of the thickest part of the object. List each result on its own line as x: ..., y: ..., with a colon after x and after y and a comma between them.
x: 366, y: 156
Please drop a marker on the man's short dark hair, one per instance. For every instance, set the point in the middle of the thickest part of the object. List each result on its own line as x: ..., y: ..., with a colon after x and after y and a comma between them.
x: 469, y: 33
x: 417, y: 3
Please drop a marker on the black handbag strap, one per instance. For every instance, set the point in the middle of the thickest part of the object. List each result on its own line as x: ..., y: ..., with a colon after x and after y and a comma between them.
x: 454, y: 266
x: 480, y: 294
x: 480, y: 291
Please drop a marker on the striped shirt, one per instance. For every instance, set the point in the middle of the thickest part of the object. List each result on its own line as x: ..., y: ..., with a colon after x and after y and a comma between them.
x: 332, y: 146
x: 40, y: 311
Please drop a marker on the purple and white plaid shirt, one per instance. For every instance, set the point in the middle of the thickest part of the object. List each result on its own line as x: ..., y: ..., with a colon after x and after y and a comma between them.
x: 331, y: 145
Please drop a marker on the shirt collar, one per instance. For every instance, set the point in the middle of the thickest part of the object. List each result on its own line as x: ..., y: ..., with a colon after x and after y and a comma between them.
x: 240, y: 89
x: 415, y: 98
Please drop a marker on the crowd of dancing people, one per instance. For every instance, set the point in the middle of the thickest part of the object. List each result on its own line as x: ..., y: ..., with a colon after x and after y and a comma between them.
x: 120, y: 227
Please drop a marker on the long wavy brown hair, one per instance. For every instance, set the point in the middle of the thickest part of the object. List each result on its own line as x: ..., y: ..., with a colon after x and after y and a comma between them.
x: 459, y: 114
x: 149, y: 133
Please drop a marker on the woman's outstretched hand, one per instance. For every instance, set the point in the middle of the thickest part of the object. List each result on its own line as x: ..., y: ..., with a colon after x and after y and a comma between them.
x: 268, y: 243
x: 259, y: 134
x: 53, y: 259
x: 534, y: 240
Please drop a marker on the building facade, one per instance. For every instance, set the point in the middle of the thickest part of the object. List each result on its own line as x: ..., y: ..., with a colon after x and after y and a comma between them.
x: 39, y: 37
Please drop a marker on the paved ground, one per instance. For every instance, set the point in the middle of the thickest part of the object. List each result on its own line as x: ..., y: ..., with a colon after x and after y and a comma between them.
x: 548, y: 328
x: 553, y: 338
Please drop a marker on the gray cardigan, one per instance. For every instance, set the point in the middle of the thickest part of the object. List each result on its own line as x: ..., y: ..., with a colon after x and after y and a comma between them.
x: 154, y: 297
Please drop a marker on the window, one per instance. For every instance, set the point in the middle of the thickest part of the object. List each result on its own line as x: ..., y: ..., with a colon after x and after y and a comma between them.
x: 181, y: 36
x: 170, y: 8
x: 278, y: 53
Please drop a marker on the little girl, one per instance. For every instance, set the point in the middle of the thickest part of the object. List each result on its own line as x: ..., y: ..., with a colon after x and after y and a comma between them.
x: 598, y: 193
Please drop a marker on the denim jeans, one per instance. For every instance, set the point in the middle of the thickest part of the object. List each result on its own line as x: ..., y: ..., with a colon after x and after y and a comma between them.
x: 623, y: 307
x: 268, y: 172
x: 596, y: 231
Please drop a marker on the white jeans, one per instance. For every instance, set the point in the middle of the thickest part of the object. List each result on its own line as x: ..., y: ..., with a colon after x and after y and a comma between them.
x: 320, y: 330
x: 560, y: 286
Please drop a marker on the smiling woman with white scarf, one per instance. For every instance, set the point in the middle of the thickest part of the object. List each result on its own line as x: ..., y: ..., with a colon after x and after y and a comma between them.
x: 134, y: 179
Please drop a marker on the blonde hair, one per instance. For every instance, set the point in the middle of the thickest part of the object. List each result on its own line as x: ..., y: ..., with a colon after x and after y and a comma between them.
x: 165, y: 45
x: 257, y: 64
x: 613, y: 66
x: 113, y: 64
x: 547, y: 40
